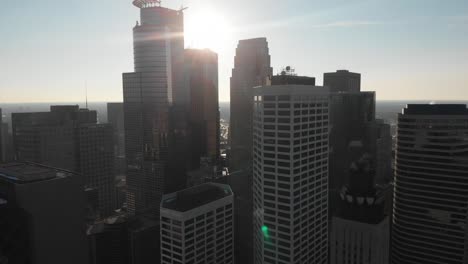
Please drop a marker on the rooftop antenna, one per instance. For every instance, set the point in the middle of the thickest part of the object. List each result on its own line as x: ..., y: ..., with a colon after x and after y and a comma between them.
x: 86, y: 93
x: 147, y: 3
x: 288, y: 70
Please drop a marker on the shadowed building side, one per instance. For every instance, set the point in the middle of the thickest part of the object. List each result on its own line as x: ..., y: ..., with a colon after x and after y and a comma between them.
x: 431, y: 185
x: 201, y: 77
x: 48, y: 204
x: 69, y: 138
x: 153, y: 97
x: 251, y: 68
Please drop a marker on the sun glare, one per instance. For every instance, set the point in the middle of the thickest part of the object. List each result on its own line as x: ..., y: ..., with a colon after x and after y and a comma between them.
x: 206, y: 28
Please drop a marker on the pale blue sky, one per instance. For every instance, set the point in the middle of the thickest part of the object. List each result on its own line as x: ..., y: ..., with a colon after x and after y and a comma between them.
x: 405, y: 49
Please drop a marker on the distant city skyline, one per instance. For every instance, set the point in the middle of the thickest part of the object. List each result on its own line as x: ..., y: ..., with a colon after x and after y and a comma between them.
x: 404, y: 49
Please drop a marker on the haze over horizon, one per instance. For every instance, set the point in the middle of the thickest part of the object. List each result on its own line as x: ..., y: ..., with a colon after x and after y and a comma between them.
x: 405, y: 50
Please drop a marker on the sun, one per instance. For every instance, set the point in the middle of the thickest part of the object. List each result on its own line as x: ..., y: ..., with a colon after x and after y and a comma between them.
x: 206, y: 28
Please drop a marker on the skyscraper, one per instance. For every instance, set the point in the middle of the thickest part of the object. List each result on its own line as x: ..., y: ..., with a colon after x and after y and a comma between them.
x: 2, y: 141
x: 431, y: 186
x: 115, y: 117
x: 69, y: 138
x: 47, y: 205
x: 201, y: 78
x: 251, y: 68
x: 342, y: 81
x: 360, y: 228
x: 383, y: 152
x: 290, y: 168
x: 109, y: 241
x: 197, y: 225
x: 5, y: 144
x: 352, y: 117
x: 151, y: 93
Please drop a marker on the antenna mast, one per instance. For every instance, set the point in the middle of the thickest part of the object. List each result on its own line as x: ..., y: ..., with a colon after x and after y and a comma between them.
x: 86, y: 93
x: 146, y: 3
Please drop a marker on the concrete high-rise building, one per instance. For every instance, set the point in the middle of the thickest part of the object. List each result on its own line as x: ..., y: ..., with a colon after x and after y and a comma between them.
x: 357, y: 242
x: 292, y: 79
x: 383, y: 152
x: 342, y: 81
x: 251, y: 68
x: 352, y: 117
x: 197, y: 225
x: 354, y: 133
x: 360, y: 227
x: 144, y: 235
x: 431, y: 186
x: 96, y: 162
x: 7, y: 143
x: 154, y: 97
x: 15, y: 246
x: 108, y: 241
x: 47, y: 205
x: 201, y: 78
x: 290, y: 168
x: 69, y: 138
x: 2, y: 138
x: 115, y: 117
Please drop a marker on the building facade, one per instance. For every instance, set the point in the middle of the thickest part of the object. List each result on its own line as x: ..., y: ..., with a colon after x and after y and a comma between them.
x: 69, y: 138
x: 197, y: 225
x: 201, y: 80
x: 49, y: 204
x: 115, y: 117
x: 360, y: 227
x: 342, y: 81
x: 290, y: 168
x: 151, y: 94
x: 431, y: 186
x: 352, y: 132
x: 2, y: 138
x: 355, y: 242
x: 251, y: 68
x: 108, y: 241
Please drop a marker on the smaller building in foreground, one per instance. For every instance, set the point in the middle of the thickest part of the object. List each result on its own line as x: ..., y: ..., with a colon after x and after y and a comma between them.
x: 41, y: 215
x: 197, y: 225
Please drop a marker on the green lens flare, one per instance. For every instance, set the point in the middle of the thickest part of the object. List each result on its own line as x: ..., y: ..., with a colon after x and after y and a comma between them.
x: 265, y: 231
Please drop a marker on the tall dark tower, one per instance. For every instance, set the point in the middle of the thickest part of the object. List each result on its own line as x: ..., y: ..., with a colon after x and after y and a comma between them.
x: 150, y: 94
x: 431, y: 185
x: 2, y: 145
x: 201, y: 77
x: 69, y: 138
x: 251, y: 68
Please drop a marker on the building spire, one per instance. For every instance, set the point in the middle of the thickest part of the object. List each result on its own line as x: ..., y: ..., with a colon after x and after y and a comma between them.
x: 86, y: 94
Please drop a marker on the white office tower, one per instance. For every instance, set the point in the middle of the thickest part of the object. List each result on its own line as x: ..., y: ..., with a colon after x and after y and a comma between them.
x: 197, y: 225
x: 290, y: 165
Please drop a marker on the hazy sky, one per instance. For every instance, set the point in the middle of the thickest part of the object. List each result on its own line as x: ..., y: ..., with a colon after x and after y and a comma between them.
x: 404, y: 49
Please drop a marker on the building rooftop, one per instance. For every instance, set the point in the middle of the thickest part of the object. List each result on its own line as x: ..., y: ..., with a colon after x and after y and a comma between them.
x: 194, y: 197
x: 344, y: 72
x: 291, y: 89
x: 285, y: 79
x: 435, y: 109
x: 22, y: 172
